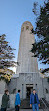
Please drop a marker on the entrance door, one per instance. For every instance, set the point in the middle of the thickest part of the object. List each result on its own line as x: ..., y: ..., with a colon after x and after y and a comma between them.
x: 29, y: 88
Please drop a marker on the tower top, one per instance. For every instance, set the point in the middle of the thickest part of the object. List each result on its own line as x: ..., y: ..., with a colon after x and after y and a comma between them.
x: 26, y: 25
x: 27, y: 22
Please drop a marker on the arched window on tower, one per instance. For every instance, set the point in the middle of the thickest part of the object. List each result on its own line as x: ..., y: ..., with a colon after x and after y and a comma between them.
x: 22, y: 29
x: 32, y: 30
x: 27, y: 27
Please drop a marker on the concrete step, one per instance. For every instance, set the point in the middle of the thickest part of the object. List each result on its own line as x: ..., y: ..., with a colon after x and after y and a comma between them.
x: 28, y: 110
x: 32, y: 110
x: 25, y: 104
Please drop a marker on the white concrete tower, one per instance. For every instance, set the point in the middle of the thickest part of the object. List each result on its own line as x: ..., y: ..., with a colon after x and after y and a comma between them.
x: 27, y: 63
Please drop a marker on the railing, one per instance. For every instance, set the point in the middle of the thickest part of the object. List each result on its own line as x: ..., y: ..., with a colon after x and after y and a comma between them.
x: 46, y: 107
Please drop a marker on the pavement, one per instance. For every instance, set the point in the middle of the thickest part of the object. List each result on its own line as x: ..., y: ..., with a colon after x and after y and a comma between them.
x: 32, y: 110
x: 29, y: 110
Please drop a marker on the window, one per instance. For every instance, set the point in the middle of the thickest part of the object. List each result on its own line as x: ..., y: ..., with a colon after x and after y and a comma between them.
x: 46, y: 91
x: 22, y: 29
x: 48, y: 80
x: 27, y: 27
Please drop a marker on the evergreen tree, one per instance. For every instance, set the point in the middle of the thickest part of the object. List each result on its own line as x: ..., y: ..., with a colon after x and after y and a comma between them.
x: 41, y: 45
x: 6, y: 57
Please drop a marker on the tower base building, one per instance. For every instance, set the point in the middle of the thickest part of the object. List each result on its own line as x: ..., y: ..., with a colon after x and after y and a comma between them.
x: 29, y: 81
x: 27, y: 69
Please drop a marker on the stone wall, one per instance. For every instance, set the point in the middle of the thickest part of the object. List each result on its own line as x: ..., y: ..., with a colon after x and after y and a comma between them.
x: 0, y: 99
x: 12, y: 86
x: 2, y: 86
x: 12, y: 100
x: 12, y: 89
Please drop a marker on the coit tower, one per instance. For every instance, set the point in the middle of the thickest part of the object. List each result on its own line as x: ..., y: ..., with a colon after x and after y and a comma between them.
x: 27, y: 63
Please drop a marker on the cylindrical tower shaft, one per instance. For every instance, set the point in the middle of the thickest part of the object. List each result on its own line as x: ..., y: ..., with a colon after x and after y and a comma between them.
x: 27, y: 63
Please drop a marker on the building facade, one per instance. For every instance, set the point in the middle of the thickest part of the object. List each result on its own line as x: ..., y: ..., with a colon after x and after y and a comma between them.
x: 27, y: 69
x: 27, y: 76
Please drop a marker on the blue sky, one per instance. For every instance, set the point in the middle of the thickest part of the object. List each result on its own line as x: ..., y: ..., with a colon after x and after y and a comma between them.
x: 12, y: 15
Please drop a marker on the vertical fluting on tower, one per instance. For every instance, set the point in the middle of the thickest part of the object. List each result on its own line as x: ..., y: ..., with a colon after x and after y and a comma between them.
x: 27, y: 63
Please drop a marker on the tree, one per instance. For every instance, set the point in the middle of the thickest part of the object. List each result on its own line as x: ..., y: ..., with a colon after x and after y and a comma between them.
x: 41, y: 45
x: 6, y: 58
